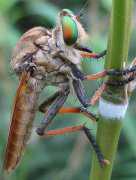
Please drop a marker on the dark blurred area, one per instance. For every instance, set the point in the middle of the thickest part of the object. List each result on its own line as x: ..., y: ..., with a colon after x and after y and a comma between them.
x: 63, y: 157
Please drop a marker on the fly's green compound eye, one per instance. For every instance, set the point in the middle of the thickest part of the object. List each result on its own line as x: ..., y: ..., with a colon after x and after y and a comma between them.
x: 70, y: 30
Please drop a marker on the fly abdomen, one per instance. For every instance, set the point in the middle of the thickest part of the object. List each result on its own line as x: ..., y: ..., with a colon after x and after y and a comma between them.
x: 21, y: 122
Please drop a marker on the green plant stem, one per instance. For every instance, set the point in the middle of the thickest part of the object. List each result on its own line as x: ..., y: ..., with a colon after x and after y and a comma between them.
x: 109, y: 129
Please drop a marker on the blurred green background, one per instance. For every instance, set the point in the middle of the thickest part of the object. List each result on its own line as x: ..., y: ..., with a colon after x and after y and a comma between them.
x: 63, y: 157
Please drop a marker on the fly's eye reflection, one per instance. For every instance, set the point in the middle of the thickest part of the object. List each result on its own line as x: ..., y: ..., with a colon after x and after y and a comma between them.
x: 66, y: 12
x: 70, y: 30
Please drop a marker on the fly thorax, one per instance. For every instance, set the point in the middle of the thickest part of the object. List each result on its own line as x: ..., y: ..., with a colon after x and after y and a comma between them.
x: 43, y: 43
x: 36, y: 85
x: 45, y: 59
x: 42, y: 56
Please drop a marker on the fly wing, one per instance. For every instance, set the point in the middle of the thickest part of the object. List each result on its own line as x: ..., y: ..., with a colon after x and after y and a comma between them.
x: 21, y: 122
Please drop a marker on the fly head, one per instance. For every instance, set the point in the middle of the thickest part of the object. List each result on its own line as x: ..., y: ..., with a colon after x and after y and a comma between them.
x: 72, y: 30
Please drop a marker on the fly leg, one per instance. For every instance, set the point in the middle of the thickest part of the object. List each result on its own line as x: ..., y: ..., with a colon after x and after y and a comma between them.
x: 65, y: 110
x: 81, y: 110
x: 98, y: 94
x: 43, y: 108
x: 104, y: 86
x: 45, y: 105
x: 80, y: 92
x: 88, y: 134
x: 126, y: 71
x: 130, y: 74
x: 96, y: 76
x: 88, y: 53
x: 80, y: 76
x: 83, y: 48
x: 42, y: 131
x: 93, y: 55
x: 121, y: 82
x: 100, y: 90
x: 53, y: 109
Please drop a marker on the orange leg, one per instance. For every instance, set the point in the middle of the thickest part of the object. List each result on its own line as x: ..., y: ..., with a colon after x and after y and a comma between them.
x: 62, y: 131
x: 87, y: 132
x: 96, y: 76
x: 67, y: 110
x: 47, y: 133
x: 98, y: 94
x: 93, y: 55
x: 93, y: 101
x: 78, y: 110
x: 45, y: 105
x: 101, y: 89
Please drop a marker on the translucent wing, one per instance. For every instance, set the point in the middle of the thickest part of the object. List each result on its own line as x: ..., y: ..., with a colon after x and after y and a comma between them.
x: 21, y: 122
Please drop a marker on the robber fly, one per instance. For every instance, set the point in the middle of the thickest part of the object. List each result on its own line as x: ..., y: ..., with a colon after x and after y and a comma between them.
x: 45, y: 57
